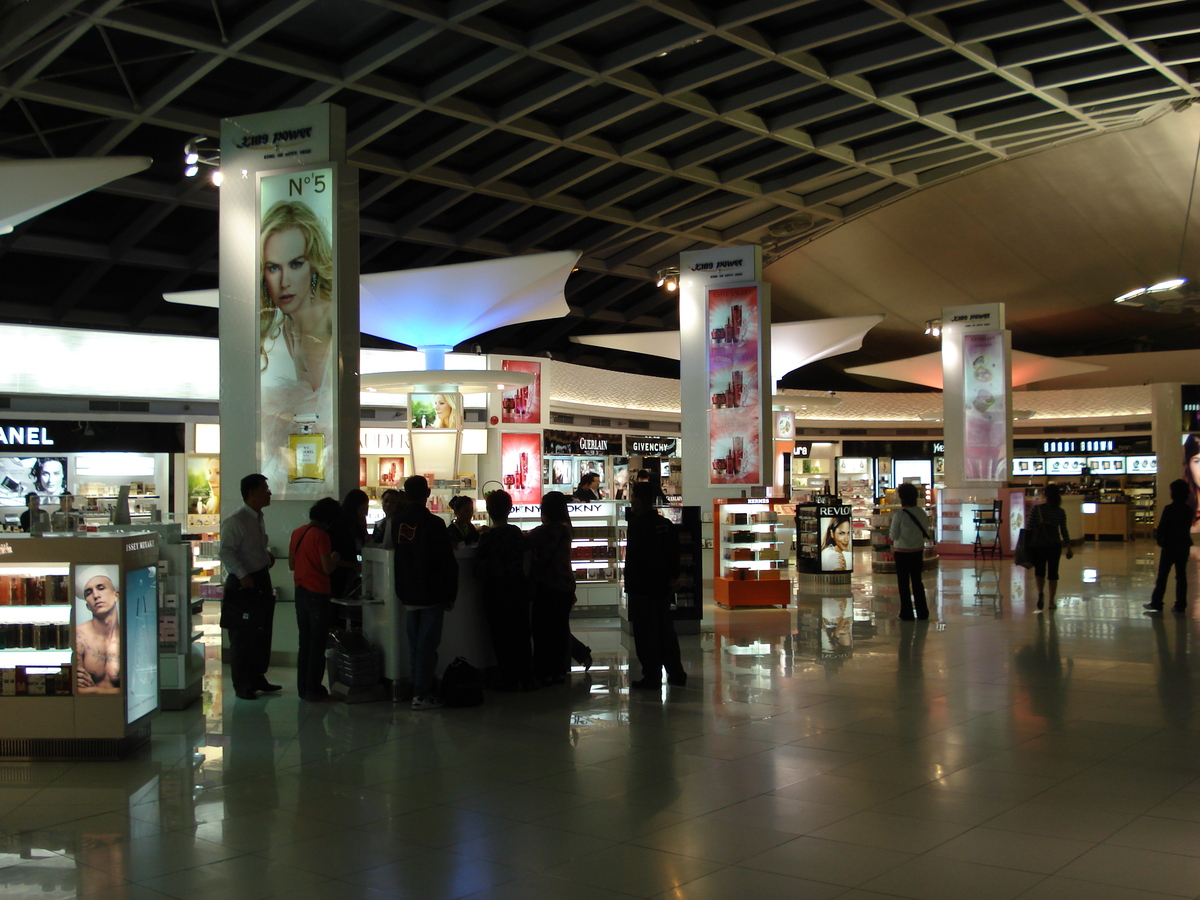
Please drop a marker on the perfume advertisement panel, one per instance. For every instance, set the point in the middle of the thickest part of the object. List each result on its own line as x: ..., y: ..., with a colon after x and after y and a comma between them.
x: 296, y: 331
x: 985, y: 424
x: 522, y: 406
x: 521, y: 466
x: 735, y: 428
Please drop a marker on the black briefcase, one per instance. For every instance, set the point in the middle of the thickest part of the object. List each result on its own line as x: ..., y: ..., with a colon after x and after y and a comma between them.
x: 246, y: 609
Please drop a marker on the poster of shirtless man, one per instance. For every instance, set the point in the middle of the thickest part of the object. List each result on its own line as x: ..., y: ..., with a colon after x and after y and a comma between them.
x: 98, y: 639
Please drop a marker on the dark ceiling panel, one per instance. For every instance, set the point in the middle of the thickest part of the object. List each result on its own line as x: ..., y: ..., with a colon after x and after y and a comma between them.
x: 626, y: 129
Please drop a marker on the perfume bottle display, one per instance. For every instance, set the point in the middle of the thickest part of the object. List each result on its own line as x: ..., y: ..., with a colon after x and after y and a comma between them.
x: 306, y: 454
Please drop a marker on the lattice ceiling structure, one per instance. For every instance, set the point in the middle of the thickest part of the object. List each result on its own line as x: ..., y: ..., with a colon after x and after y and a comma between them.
x: 629, y: 130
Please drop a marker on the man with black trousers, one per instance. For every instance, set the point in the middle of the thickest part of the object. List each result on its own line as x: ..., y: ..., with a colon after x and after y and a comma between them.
x: 651, y: 570
x: 247, y: 563
x: 1175, y: 538
x: 427, y: 585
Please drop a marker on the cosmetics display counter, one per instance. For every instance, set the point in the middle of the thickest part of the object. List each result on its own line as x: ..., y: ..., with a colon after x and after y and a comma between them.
x: 752, y: 554
x: 61, y: 696
x: 596, y: 556
x: 883, y: 560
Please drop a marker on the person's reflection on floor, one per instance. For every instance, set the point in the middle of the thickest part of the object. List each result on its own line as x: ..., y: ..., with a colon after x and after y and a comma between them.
x: 1174, y: 670
x: 251, y: 748
x: 1041, y: 675
x: 910, y: 659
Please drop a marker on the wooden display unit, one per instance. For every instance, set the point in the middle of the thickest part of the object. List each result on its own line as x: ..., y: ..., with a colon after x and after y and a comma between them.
x: 752, y: 555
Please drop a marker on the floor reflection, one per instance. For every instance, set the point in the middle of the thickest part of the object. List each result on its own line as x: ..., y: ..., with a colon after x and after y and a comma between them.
x: 816, y: 749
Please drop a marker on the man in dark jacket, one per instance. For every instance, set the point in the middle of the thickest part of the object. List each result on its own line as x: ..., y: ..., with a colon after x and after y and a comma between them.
x: 426, y: 583
x: 651, y: 570
x: 1175, y: 539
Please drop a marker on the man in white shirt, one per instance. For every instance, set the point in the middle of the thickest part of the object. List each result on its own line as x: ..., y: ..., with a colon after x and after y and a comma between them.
x: 247, y: 563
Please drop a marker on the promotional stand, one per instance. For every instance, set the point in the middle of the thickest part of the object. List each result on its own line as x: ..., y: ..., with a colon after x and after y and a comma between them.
x: 751, y: 557
x: 79, y: 664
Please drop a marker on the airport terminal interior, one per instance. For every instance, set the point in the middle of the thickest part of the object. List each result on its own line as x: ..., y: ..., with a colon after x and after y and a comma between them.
x: 867, y: 166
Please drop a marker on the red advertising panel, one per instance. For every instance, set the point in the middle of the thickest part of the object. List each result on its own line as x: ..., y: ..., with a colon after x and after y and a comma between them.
x: 521, y: 466
x: 522, y: 406
x: 734, y: 386
x: 985, y: 425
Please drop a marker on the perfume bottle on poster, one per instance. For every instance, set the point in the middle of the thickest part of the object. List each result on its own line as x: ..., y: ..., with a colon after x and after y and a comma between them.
x: 306, y: 451
x: 736, y: 323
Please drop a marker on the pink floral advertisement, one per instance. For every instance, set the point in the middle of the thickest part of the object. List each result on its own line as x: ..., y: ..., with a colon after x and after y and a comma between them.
x: 735, y: 428
x: 522, y: 406
x: 521, y: 466
x: 985, y: 424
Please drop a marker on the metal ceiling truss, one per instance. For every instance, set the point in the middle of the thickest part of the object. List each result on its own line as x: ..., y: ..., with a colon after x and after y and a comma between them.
x: 631, y: 129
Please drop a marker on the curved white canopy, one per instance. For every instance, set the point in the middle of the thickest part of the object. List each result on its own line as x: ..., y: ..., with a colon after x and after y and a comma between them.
x: 32, y: 186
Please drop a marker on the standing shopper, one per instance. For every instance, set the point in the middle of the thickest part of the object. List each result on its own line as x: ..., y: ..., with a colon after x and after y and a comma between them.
x: 651, y: 570
x: 1175, y: 538
x: 347, y: 535
x: 312, y: 559
x: 500, y: 566
x: 553, y: 589
x: 247, y: 563
x: 426, y: 583
x: 1048, y: 521
x: 909, y: 531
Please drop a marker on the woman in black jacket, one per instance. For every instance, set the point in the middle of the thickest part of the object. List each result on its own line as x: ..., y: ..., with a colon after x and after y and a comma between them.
x: 1175, y: 538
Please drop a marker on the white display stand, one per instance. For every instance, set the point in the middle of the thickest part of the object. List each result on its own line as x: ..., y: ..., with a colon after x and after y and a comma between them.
x: 70, y: 724
x: 464, y: 631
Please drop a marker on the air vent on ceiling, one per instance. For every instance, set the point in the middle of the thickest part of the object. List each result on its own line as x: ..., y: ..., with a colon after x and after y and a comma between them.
x: 119, y: 406
x: 602, y: 423
x: 5, y: 402
x: 644, y: 426
x: 366, y: 413
x: 562, y: 419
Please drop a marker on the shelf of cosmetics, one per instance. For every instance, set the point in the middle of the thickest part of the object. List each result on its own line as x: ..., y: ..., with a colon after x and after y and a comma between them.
x: 758, y: 554
x: 35, y: 590
x: 35, y: 636
x: 37, y: 681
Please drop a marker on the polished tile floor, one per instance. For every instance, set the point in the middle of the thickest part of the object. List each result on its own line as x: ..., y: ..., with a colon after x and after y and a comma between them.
x: 823, y: 751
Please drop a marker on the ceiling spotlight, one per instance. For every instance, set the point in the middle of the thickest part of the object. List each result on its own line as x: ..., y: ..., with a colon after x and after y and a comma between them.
x: 191, y: 158
x: 191, y: 171
x: 933, y: 327
x: 217, y: 177
x: 194, y: 156
x: 668, y: 277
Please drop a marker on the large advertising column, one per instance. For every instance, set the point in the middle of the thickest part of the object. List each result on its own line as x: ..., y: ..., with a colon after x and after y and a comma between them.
x: 725, y: 365
x: 289, y: 308
x: 977, y: 395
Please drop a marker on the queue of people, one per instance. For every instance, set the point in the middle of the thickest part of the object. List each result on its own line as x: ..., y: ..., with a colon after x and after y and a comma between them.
x: 527, y: 586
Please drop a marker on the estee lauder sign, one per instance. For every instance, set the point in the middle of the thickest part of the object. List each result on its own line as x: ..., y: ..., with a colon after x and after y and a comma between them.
x: 580, y: 443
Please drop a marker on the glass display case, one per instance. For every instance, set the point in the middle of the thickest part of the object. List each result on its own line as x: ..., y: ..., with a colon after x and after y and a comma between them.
x: 78, y: 644
x: 595, y: 551
x: 752, y: 555
x: 856, y: 489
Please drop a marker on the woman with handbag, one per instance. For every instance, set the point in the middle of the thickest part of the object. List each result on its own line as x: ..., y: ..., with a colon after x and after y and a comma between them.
x: 909, y: 530
x: 1047, y: 524
x: 312, y: 559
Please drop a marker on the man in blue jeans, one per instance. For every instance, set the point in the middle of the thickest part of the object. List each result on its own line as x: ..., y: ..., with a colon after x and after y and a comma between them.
x: 426, y: 583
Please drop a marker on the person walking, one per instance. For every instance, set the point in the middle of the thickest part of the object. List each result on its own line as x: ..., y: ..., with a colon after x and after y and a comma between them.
x: 1048, y: 522
x: 426, y: 583
x: 248, y: 563
x: 909, y: 530
x: 1174, y: 537
x: 501, y: 565
x: 312, y: 559
x: 651, y: 570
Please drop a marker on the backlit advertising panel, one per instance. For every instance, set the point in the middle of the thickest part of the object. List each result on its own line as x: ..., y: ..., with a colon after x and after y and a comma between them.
x: 985, y: 424
x: 735, y: 428
x: 296, y: 340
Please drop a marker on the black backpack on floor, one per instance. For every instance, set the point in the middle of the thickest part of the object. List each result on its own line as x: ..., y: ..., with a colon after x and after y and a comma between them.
x: 462, y: 684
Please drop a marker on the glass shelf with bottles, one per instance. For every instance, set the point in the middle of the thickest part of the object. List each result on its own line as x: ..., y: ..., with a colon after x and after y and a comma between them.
x: 35, y: 615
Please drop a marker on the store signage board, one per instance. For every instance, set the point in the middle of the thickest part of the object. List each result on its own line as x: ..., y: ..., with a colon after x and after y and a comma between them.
x: 982, y: 317
x: 1141, y: 465
x: 288, y: 137
x: 1029, y: 466
x: 384, y: 440
x: 730, y: 265
x: 576, y: 510
x: 21, y: 436
x: 1065, y: 465
x: 802, y: 449
x: 985, y: 421
x: 640, y: 445
x: 1074, y: 446
x: 297, y: 234
x: 735, y: 383
x: 582, y: 443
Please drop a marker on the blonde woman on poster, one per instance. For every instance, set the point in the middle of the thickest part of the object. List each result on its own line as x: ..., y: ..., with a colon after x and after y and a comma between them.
x: 295, y: 329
